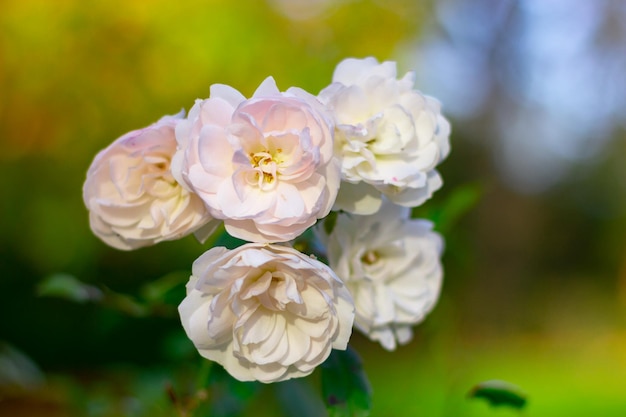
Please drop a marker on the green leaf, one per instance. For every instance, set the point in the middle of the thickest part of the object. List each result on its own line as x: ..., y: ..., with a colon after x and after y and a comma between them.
x: 157, y: 290
x: 226, y: 240
x: 68, y: 287
x: 153, y: 302
x: 230, y: 396
x: 125, y: 303
x: 330, y: 221
x: 297, y: 398
x: 500, y: 393
x: 309, y: 244
x: 17, y: 371
x: 346, y: 390
x: 446, y: 214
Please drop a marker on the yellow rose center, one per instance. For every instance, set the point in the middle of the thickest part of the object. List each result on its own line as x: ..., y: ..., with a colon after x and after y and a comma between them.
x: 370, y: 257
x: 265, y: 165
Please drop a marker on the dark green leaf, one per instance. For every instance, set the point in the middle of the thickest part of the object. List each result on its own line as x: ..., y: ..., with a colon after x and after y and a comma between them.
x: 309, y: 244
x: 297, y: 398
x: 227, y: 241
x: 345, y: 387
x: 68, y: 287
x: 499, y: 393
x: 330, y: 221
x: 230, y: 396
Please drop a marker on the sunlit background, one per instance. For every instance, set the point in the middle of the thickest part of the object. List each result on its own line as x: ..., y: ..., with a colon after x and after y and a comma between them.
x: 535, y: 283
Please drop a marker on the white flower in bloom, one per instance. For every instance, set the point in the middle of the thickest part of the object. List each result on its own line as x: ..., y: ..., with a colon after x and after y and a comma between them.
x: 265, y: 165
x: 391, y: 265
x: 132, y: 197
x: 265, y: 312
x: 389, y: 136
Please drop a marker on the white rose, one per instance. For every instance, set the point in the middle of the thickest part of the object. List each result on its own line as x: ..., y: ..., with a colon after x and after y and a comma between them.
x: 388, y: 136
x: 132, y: 197
x: 265, y: 312
x: 264, y: 165
x: 391, y: 265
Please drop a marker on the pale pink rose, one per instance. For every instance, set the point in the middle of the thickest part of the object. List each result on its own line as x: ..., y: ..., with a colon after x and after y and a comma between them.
x: 132, y: 197
x: 264, y: 165
x: 392, y: 266
x: 265, y: 312
x: 389, y: 136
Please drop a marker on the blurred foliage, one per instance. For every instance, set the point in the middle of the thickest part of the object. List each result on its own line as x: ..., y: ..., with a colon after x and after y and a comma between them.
x: 499, y: 393
x: 345, y: 387
x: 535, y: 285
x: 458, y: 203
x: 68, y: 287
x: 17, y: 371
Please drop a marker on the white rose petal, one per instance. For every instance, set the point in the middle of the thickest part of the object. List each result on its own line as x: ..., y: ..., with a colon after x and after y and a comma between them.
x: 265, y: 312
x: 388, y: 136
x: 132, y: 197
x: 391, y: 265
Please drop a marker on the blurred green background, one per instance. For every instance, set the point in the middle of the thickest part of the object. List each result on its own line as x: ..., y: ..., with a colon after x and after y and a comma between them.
x: 535, y: 283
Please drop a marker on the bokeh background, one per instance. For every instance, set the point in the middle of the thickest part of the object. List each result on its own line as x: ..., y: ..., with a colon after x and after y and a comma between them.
x: 535, y: 283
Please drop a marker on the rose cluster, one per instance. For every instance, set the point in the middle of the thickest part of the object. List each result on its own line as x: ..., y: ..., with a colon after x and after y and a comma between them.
x: 268, y: 168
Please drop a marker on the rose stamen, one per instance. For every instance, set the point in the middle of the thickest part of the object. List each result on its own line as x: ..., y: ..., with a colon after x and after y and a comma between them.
x: 370, y: 257
x: 266, y: 169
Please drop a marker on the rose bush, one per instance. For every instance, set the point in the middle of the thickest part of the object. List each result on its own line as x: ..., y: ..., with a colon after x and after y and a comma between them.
x: 132, y: 197
x: 265, y: 312
x: 264, y: 165
x: 388, y: 136
x: 391, y: 265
